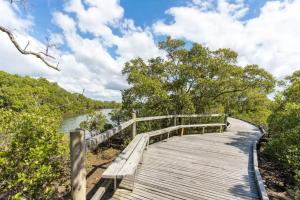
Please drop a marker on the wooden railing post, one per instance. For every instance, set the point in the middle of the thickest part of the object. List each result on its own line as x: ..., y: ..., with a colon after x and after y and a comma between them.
x: 225, y: 121
x: 133, y: 125
x: 182, y: 130
x: 78, y: 171
x: 175, y: 120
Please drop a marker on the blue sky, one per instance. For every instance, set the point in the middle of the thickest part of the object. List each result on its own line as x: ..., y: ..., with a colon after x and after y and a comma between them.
x: 97, y: 37
x: 144, y: 13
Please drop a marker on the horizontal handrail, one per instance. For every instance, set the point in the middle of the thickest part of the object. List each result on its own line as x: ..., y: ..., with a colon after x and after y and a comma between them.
x: 201, y: 115
x: 141, y: 119
x: 99, y: 138
x: 174, y: 128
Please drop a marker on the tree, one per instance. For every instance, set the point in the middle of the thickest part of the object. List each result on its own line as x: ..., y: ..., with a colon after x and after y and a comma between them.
x: 195, y: 80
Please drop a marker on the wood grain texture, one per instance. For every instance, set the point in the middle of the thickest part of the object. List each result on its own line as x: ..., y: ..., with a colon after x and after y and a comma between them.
x: 127, y: 161
x: 203, y: 166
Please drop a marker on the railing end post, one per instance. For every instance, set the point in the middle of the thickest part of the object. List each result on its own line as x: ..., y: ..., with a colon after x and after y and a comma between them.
x: 133, y: 125
x: 78, y: 171
x: 225, y: 119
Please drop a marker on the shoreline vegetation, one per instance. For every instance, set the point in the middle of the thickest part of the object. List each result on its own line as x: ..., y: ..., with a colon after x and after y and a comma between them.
x: 34, y: 157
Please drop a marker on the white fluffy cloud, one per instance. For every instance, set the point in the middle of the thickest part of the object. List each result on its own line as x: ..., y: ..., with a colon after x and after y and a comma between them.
x: 93, y: 52
x: 94, y: 16
x: 270, y: 39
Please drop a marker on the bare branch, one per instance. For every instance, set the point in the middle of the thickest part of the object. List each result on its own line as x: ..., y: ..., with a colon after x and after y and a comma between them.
x: 47, y: 55
x: 26, y: 45
x: 25, y: 52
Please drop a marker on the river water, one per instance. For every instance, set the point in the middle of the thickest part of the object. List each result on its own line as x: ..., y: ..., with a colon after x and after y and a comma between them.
x: 73, y: 122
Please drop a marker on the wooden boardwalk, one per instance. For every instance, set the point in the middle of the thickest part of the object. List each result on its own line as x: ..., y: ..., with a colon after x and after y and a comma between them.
x: 202, y: 166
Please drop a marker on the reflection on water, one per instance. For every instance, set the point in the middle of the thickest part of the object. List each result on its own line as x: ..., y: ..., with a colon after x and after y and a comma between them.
x: 71, y: 123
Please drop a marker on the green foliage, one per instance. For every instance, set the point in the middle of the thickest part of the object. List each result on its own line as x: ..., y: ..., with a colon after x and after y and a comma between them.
x: 253, y: 106
x: 195, y: 80
x: 284, y: 118
x: 35, y: 160
x: 96, y: 122
x: 116, y: 116
x: 285, y: 148
x: 284, y: 127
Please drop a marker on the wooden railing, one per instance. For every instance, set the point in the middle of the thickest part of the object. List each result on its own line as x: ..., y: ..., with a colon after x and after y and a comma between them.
x: 79, y: 145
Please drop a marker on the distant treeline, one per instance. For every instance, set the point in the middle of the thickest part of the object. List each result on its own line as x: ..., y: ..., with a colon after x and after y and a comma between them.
x: 20, y: 93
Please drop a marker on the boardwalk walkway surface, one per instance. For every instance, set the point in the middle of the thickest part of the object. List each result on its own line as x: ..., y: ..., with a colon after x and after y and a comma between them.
x: 204, y: 166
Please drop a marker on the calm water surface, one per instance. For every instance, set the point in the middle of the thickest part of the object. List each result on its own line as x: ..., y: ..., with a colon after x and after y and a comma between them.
x: 73, y: 122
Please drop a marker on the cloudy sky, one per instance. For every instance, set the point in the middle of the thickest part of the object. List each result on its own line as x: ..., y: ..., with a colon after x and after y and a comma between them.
x: 96, y: 37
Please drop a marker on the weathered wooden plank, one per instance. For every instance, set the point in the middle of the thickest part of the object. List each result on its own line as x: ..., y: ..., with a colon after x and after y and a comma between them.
x: 215, y: 154
x: 197, y: 182
x: 196, y: 168
x: 207, y: 172
x: 189, y: 188
x: 171, y: 195
x: 221, y: 162
x: 119, y: 162
x: 201, y: 115
x: 193, y: 187
x: 143, y: 119
x: 134, y: 159
x: 101, y: 190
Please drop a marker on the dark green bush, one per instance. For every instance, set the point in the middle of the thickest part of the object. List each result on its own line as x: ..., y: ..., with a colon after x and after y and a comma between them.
x: 96, y: 122
x: 285, y: 149
x: 284, y: 126
x: 34, y: 162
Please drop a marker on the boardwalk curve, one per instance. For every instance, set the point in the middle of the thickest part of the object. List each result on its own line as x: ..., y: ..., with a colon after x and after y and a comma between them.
x: 202, y: 166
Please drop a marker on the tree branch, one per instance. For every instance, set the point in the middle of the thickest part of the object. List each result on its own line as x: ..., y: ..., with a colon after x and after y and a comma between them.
x: 25, y: 52
x: 229, y: 91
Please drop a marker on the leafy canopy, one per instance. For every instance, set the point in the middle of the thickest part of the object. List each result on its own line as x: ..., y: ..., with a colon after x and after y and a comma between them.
x: 194, y: 80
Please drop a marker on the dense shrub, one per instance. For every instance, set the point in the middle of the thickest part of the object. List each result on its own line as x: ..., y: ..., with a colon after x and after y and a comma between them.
x: 284, y: 126
x: 34, y: 163
x: 285, y: 149
x: 96, y: 122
